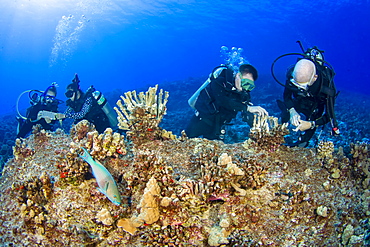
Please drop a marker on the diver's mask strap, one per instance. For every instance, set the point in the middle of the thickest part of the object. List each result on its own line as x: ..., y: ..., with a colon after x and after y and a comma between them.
x: 299, y: 85
x: 303, y: 85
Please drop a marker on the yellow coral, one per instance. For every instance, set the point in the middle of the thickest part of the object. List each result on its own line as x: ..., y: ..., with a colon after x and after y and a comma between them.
x: 325, y: 150
x: 152, y: 105
x: 141, y: 114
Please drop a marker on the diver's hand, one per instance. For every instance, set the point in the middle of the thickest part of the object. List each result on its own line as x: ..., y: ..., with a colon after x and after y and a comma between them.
x: 304, y: 125
x: 257, y: 110
x: 295, y: 118
x: 60, y: 116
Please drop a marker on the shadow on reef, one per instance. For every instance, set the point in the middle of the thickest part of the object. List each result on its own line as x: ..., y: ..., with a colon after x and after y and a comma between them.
x: 178, y: 191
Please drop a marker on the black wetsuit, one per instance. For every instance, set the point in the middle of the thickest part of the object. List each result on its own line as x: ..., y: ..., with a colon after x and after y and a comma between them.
x: 87, y: 108
x: 316, y: 103
x: 217, y: 105
x: 26, y: 126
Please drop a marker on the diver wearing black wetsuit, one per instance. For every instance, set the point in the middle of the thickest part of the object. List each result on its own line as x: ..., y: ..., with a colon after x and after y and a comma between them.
x: 85, y: 106
x: 316, y: 102
x: 45, y: 102
x: 219, y: 102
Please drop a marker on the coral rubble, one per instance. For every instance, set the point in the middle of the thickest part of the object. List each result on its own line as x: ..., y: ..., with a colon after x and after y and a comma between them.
x: 181, y: 191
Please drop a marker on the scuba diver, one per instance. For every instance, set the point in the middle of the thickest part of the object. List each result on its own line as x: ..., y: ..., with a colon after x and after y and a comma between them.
x: 220, y: 98
x: 309, y: 95
x: 43, y: 110
x: 91, y: 105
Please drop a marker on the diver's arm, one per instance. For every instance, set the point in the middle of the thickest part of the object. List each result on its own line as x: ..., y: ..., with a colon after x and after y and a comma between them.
x: 288, y: 97
x: 81, y: 114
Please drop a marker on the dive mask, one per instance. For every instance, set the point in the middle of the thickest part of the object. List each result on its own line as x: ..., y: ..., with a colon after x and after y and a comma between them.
x: 299, y: 85
x: 247, y: 84
x: 69, y: 94
x: 48, y: 99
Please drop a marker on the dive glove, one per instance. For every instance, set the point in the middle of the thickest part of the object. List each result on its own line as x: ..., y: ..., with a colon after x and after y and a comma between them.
x: 258, y: 110
x: 294, y: 117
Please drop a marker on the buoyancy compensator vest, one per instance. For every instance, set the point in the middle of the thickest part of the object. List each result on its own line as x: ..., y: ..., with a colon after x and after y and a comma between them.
x: 326, y: 78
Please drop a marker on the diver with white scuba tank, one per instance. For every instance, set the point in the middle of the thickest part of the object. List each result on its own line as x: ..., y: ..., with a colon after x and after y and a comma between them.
x: 91, y: 105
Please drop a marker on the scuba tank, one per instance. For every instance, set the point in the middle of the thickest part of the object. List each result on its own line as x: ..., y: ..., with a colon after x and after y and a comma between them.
x: 107, y: 109
x: 193, y: 99
x: 215, y: 73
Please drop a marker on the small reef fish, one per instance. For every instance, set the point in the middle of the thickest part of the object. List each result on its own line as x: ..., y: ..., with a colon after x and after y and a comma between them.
x: 106, y: 182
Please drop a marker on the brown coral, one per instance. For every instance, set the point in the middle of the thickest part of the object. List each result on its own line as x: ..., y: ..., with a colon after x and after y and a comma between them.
x: 106, y: 144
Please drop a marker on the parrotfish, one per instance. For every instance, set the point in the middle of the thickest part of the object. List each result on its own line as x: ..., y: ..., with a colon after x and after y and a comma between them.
x: 106, y: 182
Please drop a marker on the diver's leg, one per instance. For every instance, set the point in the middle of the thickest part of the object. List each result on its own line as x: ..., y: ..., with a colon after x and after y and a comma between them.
x: 196, y: 127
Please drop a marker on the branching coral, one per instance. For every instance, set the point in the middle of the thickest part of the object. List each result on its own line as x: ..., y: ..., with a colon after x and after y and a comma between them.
x: 266, y: 134
x: 21, y: 149
x: 141, y: 114
x: 325, y: 150
x: 72, y: 169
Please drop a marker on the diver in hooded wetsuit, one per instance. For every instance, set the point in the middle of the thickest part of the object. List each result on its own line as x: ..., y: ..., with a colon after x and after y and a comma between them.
x: 90, y: 105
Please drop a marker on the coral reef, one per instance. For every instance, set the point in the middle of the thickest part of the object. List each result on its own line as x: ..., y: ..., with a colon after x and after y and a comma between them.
x: 102, y: 145
x: 195, y: 191
x: 181, y: 191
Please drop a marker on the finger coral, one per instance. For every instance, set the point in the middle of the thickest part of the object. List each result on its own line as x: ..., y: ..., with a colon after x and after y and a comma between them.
x: 140, y: 114
x: 102, y: 145
x: 266, y: 134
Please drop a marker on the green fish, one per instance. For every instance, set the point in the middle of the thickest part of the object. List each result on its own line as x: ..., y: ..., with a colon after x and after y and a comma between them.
x: 106, y: 182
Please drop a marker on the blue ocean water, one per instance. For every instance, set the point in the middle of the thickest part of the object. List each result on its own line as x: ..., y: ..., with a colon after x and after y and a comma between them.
x: 128, y: 44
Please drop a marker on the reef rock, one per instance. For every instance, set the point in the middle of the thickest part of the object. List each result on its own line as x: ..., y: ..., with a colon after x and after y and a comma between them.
x: 149, y: 203
x: 105, y: 217
x: 179, y: 192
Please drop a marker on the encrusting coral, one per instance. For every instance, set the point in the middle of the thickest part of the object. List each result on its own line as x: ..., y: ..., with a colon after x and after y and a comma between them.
x: 188, y: 192
x: 102, y: 145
